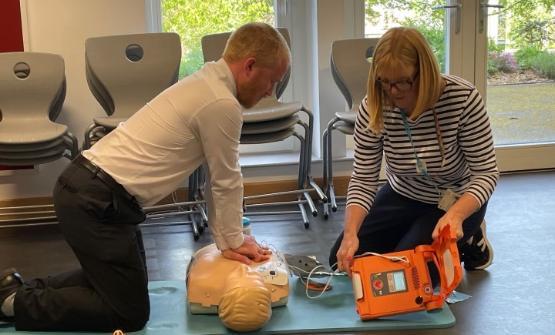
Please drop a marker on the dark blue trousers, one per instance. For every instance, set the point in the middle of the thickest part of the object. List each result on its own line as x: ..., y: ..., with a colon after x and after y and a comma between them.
x: 109, y: 291
x: 396, y: 223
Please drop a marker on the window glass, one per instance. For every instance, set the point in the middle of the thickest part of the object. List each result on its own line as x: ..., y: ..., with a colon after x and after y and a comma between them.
x: 192, y: 19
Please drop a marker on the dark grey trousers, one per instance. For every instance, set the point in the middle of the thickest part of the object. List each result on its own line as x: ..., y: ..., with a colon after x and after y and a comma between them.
x: 397, y: 223
x: 110, y: 290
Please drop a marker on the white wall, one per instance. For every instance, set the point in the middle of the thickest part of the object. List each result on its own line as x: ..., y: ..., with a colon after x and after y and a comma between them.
x: 62, y: 26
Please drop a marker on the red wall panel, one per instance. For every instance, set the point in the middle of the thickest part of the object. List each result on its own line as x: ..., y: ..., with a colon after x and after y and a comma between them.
x: 11, y: 37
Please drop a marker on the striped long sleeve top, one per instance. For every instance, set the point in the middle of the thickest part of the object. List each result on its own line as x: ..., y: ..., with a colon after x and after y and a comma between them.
x: 469, y: 163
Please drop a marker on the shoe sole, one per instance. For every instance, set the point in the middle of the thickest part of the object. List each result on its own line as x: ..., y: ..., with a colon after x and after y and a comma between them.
x: 7, y: 272
x: 488, y: 245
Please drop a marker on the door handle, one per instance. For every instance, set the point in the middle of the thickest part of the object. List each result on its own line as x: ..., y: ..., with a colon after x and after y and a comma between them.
x: 457, y: 7
x: 484, y: 13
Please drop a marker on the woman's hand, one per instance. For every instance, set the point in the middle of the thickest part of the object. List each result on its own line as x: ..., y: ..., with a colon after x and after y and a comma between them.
x: 455, y: 216
x: 455, y: 223
x: 348, y: 248
x: 248, y: 252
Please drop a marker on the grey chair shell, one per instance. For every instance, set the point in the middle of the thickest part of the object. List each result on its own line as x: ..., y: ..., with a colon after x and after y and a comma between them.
x: 124, y: 72
x: 350, y: 66
x: 32, y: 91
x: 272, y: 121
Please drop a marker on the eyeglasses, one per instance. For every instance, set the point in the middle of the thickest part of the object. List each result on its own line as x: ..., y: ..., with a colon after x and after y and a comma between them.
x: 401, y: 85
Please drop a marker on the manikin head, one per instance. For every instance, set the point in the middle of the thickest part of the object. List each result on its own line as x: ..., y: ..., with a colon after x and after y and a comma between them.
x: 246, y: 304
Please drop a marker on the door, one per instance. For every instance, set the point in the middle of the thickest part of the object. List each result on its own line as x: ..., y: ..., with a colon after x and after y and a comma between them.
x: 507, y: 49
x: 503, y: 47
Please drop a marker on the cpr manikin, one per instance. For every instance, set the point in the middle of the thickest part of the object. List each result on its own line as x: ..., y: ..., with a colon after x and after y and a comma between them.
x: 242, y: 295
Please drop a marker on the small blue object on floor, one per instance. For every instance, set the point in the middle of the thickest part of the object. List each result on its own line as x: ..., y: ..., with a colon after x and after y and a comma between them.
x: 333, y: 312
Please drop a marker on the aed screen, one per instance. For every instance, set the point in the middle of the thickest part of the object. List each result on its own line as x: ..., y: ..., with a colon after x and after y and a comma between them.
x: 396, y: 281
x: 384, y: 283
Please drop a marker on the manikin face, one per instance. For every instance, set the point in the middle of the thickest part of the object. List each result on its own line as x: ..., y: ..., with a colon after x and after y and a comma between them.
x: 400, y: 86
x: 258, y: 81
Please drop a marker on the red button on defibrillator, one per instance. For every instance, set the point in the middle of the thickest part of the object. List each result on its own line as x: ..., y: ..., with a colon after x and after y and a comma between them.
x: 378, y: 284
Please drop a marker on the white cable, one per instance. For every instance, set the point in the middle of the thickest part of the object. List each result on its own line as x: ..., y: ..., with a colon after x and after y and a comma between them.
x: 391, y: 258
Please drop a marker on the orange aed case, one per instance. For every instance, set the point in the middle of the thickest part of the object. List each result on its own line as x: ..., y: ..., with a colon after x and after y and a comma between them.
x: 399, y: 282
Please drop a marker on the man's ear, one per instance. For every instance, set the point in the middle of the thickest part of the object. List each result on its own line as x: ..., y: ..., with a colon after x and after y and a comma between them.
x: 248, y: 65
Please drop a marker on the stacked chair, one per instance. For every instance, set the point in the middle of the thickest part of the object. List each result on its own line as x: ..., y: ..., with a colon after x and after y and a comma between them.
x: 32, y: 92
x: 272, y: 121
x: 124, y: 72
x: 349, y: 66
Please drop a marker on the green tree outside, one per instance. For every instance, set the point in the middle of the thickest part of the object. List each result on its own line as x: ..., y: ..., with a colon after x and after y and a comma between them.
x: 192, y: 19
x: 525, y: 24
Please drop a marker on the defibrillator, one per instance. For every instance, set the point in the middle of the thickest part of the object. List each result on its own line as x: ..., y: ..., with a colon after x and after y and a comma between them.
x: 400, y: 282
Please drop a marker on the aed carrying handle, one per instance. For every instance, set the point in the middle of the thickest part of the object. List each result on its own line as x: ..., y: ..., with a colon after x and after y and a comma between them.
x: 444, y: 247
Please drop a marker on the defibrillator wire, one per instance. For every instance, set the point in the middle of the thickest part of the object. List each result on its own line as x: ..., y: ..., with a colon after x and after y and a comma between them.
x: 314, y: 272
x: 403, y: 259
x: 330, y: 275
x: 328, y: 282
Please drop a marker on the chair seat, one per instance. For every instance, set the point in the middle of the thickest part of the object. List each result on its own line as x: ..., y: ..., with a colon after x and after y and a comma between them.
x: 347, y: 117
x: 58, y: 150
x: 269, y: 126
x: 30, y: 131
x: 269, y: 109
x: 30, y: 161
x: 109, y: 123
x: 31, y: 146
x: 346, y: 128
x: 267, y: 138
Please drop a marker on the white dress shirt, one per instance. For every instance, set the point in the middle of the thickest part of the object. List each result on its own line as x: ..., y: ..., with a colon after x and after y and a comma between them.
x: 196, y: 121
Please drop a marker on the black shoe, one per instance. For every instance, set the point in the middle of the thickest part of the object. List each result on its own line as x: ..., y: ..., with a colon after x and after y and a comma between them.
x: 10, y: 281
x: 477, y: 253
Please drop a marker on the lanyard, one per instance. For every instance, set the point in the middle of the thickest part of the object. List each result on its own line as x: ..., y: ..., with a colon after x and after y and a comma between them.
x: 420, y: 164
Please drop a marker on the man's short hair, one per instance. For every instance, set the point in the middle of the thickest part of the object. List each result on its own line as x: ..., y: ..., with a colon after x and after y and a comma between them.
x: 258, y: 40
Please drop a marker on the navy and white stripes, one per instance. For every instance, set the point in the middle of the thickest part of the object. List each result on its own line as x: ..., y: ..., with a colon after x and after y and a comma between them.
x: 469, y: 166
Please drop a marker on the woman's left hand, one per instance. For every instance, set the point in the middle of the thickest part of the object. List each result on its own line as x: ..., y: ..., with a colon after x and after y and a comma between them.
x: 455, y: 224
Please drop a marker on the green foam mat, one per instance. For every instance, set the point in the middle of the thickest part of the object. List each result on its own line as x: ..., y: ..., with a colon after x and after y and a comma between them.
x: 333, y: 312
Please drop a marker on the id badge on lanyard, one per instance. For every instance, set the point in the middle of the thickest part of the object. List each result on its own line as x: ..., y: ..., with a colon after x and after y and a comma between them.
x: 446, y: 197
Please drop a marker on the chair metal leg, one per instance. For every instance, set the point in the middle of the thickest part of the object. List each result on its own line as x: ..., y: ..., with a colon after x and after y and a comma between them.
x: 71, y: 141
x: 326, y: 210
x: 87, y: 139
x: 333, y: 201
x: 310, y: 204
x: 308, y: 155
x: 302, y: 180
x: 305, y: 217
x: 331, y: 190
x: 195, y: 227
x: 328, y: 169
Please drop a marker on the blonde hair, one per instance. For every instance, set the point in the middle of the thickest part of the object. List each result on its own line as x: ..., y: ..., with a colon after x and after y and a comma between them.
x: 258, y: 40
x: 400, y: 48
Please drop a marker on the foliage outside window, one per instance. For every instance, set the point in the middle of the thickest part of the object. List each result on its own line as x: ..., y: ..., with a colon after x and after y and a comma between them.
x: 525, y: 38
x: 418, y: 14
x: 192, y: 19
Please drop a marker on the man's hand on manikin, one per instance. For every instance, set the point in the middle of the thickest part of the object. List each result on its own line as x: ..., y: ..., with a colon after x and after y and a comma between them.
x: 248, y: 252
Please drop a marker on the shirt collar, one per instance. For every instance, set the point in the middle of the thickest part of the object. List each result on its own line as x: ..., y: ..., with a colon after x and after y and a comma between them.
x: 225, y: 74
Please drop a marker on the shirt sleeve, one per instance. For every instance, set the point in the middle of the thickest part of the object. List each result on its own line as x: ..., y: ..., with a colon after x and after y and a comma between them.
x: 218, y: 126
x: 367, y: 162
x: 476, y: 141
